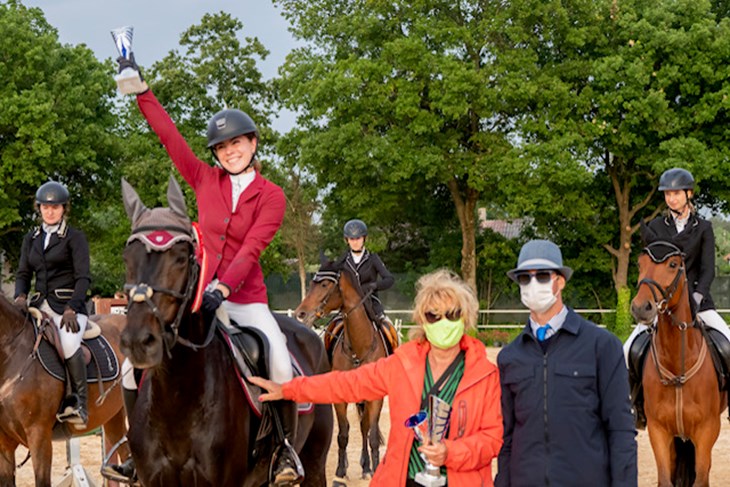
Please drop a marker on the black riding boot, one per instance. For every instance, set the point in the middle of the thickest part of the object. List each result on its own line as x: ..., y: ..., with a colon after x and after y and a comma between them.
x: 287, y: 468
x: 637, y: 355
x: 75, y: 409
x: 126, y: 471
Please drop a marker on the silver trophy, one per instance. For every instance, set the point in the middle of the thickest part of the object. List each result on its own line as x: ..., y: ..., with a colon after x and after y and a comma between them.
x: 434, y: 428
x: 129, y: 80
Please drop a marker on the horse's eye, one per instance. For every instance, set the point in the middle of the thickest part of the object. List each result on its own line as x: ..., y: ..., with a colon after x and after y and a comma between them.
x: 673, y: 265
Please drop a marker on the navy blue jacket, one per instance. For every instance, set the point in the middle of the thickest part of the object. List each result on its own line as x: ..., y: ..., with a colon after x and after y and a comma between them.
x: 567, y: 415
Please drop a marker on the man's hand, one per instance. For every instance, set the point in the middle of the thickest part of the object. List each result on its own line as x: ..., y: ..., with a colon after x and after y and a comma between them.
x: 69, y: 321
x: 21, y: 303
x: 133, y: 84
x: 370, y: 287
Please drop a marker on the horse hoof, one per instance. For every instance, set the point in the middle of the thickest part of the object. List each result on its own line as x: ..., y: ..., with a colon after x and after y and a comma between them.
x: 367, y: 475
x: 339, y: 482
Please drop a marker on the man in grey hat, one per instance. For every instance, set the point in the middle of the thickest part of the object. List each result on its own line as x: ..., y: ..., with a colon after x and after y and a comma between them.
x: 565, y: 391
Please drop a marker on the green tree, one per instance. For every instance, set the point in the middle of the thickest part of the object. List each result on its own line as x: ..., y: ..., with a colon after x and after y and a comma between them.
x: 56, y: 122
x: 399, y: 105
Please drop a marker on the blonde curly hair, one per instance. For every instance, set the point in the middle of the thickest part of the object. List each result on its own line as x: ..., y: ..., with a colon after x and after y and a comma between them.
x: 440, y: 291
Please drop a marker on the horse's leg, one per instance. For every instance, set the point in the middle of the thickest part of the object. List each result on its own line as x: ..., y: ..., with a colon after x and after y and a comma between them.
x: 364, y: 412
x: 342, y: 436
x: 41, y: 454
x: 7, y: 462
x: 375, y: 437
x: 704, y: 441
x: 662, y: 444
x: 316, y: 447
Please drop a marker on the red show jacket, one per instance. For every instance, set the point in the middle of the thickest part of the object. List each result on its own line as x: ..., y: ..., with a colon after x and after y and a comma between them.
x: 233, y: 237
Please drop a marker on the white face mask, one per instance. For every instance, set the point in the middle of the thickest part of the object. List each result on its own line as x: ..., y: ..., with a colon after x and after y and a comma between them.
x: 538, y: 297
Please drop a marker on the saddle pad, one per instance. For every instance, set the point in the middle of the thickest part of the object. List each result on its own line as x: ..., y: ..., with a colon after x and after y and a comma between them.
x: 251, y: 391
x: 103, y: 359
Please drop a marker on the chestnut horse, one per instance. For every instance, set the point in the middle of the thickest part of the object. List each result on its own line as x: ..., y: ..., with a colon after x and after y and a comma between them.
x: 683, y: 403
x: 334, y: 287
x: 30, y: 398
x: 192, y: 423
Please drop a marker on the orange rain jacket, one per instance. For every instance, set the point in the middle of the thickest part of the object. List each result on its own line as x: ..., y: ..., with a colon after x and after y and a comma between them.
x: 475, y: 433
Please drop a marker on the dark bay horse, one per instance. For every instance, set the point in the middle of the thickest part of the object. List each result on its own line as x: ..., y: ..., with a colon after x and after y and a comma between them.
x: 30, y: 397
x: 683, y: 403
x: 334, y: 287
x: 192, y: 423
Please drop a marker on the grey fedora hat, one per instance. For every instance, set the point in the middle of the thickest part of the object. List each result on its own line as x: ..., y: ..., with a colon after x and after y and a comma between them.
x: 540, y: 255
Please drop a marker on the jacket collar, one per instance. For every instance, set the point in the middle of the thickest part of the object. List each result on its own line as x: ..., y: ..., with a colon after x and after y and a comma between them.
x: 476, y: 365
x: 571, y: 325
x: 62, y: 229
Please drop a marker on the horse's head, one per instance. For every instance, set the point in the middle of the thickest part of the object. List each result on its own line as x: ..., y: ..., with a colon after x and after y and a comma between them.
x: 662, y: 281
x: 323, y: 296
x: 161, y: 276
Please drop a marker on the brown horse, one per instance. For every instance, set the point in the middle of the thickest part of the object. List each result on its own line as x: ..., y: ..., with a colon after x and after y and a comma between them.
x: 682, y: 398
x: 30, y: 397
x: 334, y: 287
x: 192, y: 423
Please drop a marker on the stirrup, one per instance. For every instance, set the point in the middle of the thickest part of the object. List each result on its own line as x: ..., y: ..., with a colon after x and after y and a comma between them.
x: 76, y: 416
x: 125, y: 472
x: 286, y: 468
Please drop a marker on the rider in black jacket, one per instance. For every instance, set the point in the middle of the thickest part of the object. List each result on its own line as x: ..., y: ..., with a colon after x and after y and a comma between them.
x: 58, y: 256
x: 367, y: 266
x: 682, y: 226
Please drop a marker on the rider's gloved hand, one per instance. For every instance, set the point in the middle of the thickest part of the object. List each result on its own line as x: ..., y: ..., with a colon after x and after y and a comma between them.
x: 212, y: 301
x: 69, y: 321
x: 21, y: 303
x: 134, y: 86
x: 698, y: 297
x: 369, y: 287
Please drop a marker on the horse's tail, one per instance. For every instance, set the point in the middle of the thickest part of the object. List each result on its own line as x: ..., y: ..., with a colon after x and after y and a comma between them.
x: 684, y: 466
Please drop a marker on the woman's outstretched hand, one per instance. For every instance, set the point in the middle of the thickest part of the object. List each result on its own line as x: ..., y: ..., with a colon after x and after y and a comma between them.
x: 272, y: 388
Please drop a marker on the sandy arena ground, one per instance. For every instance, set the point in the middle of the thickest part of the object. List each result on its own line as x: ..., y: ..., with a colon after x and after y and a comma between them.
x: 91, y: 456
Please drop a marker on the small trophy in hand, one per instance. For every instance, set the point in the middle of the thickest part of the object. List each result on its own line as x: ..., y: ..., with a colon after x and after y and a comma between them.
x: 432, y: 427
x: 129, y: 80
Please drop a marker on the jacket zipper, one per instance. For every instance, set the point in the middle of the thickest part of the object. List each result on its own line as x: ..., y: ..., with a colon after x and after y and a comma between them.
x: 545, y: 416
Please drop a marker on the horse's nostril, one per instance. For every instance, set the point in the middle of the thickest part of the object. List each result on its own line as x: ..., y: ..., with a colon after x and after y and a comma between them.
x: 149, y: 340
x: 301, y: 315
x: 648, y: 306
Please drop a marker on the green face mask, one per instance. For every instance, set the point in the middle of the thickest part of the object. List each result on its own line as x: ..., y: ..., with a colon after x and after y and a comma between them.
x: 444, y: 333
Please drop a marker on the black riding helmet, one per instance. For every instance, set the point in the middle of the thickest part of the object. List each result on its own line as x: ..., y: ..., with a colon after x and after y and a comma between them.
x: 229, y: 123
x: 355, y: 229
x: 52, y: 193
x: 676, y: 179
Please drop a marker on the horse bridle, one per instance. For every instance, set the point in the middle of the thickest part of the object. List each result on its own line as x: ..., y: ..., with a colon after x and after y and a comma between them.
x: 142, y: 292
x: 656, y: 289
x: 332, y: 276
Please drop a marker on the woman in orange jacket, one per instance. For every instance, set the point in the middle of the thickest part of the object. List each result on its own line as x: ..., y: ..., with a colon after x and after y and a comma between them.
x: 438, y: 360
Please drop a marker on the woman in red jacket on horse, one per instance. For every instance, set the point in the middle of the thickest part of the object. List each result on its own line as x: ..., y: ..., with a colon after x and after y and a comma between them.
x: 239, y: 212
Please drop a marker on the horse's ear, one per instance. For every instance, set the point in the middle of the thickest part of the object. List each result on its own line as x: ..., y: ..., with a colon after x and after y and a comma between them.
x: 323, y: 260
x: 647, y: 234
x: 175, y: 198
x: 132, y: 204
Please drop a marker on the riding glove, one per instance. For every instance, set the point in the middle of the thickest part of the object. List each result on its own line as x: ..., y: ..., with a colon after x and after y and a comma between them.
x: 140, y: 85
x: 21, y: 303
x: 370, y: 287
x: 212, y: 301
x: 69, y: 321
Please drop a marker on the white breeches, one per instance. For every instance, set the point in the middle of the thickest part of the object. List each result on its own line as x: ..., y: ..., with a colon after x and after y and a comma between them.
x: 70, y: 342
x: 258, y: 315
x: 710, y: 317
x: 128, y: 380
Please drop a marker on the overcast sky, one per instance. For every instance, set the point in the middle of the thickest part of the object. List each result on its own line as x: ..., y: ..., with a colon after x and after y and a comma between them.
x: 159, y: 23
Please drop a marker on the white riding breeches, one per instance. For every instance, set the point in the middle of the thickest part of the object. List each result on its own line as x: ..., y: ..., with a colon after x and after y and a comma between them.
x: 128, y: 380
x: 710, y: 317
x: 258, y: 315
x: 70, y: 342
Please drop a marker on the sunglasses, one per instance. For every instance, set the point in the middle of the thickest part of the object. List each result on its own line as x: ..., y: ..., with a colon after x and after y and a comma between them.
x: 451, y: 315
x: 543, y: 277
